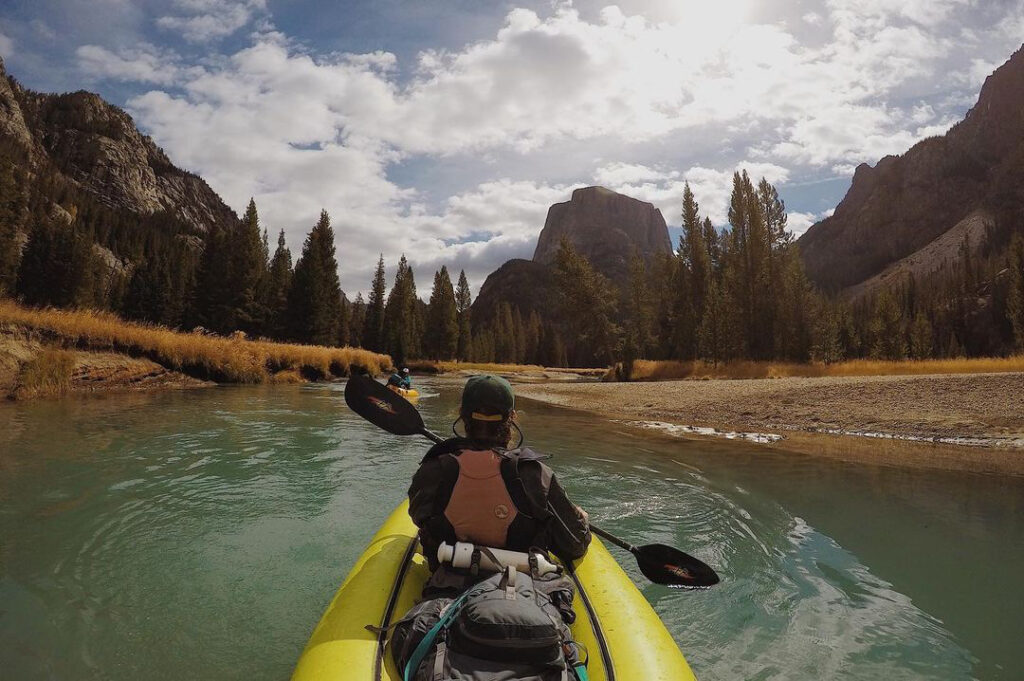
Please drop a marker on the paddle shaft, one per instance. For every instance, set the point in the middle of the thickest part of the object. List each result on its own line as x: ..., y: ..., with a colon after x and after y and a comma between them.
x: 613, y: 539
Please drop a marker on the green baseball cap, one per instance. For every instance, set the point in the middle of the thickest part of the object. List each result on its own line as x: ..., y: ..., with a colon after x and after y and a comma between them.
x: 487, y: 398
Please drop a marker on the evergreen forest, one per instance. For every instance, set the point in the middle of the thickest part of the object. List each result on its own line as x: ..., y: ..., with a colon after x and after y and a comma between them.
x: 723, y: 295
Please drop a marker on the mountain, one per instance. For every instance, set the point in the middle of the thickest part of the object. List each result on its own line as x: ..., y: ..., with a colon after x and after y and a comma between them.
x: 95, y: 147
x: 604, y: 226
x: 912, y: 214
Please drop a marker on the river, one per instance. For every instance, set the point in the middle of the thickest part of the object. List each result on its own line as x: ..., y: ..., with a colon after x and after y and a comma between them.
x: 201, y: 535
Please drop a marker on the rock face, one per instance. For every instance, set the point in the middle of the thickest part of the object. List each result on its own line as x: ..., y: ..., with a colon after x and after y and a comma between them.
x: 906, y: 202
x: 602, y: 225
x: 96, y: 146
x: 605, y: 227
x: 525, y: 284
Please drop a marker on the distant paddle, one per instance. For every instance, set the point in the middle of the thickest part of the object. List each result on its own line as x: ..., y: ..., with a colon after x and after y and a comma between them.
x: 388, y: 410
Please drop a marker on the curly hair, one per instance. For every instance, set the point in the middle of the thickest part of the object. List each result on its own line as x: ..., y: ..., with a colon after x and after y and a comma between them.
x: 489, y: 433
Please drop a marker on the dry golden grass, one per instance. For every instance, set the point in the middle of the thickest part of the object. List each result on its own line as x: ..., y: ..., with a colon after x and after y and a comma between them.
x: 666, y: 370
x: 232, y: 360
x: 47, y: 374
x: 429, y: 366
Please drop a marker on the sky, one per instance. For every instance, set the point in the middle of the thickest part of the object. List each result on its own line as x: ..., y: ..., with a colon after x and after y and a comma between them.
x: 445, y: 129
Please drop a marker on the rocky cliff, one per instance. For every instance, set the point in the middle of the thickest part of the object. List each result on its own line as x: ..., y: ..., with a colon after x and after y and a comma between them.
x: 97, y: 148
x: 908, y: 202
x: 525, y: 284
x: 603, y: 225
x: 606, y: 227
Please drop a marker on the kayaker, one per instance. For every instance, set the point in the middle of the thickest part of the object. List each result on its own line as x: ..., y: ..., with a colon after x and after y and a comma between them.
x: 401, y: 379
x: 474, y: 489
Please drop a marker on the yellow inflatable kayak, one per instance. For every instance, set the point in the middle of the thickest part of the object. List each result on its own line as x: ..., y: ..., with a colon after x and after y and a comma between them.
x: 410, y: 394
x: 626, y: 639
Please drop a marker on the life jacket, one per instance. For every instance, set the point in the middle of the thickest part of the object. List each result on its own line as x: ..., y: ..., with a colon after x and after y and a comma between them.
x: 489, y: 504
x: 480, y: 509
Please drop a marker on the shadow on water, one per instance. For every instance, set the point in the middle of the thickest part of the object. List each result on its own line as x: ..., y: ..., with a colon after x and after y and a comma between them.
x: 202, y: 534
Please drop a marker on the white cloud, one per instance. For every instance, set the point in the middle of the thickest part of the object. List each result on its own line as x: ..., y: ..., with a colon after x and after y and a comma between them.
x: 300, y: 131
x: 620, y: 174
x: 205, y: 20
x: 880, y: 12
x: 144, y: 64
x: 797, y: 223
x: 6, y: 46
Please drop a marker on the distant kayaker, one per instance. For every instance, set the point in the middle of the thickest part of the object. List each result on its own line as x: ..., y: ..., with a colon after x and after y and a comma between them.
x: 401, y: 379
x: 474, y: 489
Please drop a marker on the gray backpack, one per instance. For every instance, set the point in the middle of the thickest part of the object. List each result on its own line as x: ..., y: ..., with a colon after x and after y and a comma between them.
x: 505, y: 628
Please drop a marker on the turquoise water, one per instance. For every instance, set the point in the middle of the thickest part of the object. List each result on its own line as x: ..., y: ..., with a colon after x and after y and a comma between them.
x: 202, y: 534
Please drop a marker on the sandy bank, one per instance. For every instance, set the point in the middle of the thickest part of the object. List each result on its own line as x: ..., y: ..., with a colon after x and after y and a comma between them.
x: 960, y: 422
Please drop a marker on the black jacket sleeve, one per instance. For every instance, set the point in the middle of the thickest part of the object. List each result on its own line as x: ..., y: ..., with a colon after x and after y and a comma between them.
x: 568, y: 531
x: 429, y: 494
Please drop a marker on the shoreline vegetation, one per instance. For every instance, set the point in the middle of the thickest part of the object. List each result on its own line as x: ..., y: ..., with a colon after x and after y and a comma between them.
x: 671, y: 370
x: 52, y: 352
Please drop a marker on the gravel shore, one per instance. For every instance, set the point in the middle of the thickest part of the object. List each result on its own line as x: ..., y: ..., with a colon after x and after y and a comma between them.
x: 958, y: 421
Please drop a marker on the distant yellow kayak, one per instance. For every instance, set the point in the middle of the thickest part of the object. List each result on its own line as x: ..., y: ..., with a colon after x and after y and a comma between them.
x: 626, y: 639
x: 410, y: 394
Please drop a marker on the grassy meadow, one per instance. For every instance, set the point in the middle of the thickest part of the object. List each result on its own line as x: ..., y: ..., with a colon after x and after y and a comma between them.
x: 228, y: 360
x: 667, y: 370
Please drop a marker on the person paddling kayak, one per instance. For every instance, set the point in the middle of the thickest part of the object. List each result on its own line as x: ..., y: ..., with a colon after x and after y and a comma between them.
x: 488, y: 512
x: 401, y: 379
x: 474, y: 489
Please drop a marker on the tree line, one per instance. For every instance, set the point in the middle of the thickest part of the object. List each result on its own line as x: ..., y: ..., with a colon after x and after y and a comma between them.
x: 722, y: 295
x: 741, y: 294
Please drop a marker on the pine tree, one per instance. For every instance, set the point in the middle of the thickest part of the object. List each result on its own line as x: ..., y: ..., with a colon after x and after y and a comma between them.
x: 826, y: 346
x: 1015, y: 297
x: 314, y: 300
x: 886, y: 328
x: 401, y: 315
x: 684, y: 322
x: 357, y: 322
x: 640, y: 312
x: 696, y: 252
x: 532, y: 339
x: 441, y: 334
x: 662, y: 280
x: 587, y: 301
x: 249, y: 273
x: 215, y: 283
x: 57, y: 267
x: 920, y: 337
x: 12, y: 213
x: 279, y: 283
x: 790, y: 305
x: 373, y: 329
x: 463, y: 300
x: 344, y: 321
x: 712, y: 336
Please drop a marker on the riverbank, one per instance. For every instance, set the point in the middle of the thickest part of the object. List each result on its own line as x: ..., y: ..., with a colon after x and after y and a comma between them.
x: 53, y: 352
x: 971, y: 422
x: 525, y: 373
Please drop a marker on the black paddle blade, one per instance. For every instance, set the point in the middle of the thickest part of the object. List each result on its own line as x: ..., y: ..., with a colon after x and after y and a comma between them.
x: 382, y: 406
x: 665, y: 565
